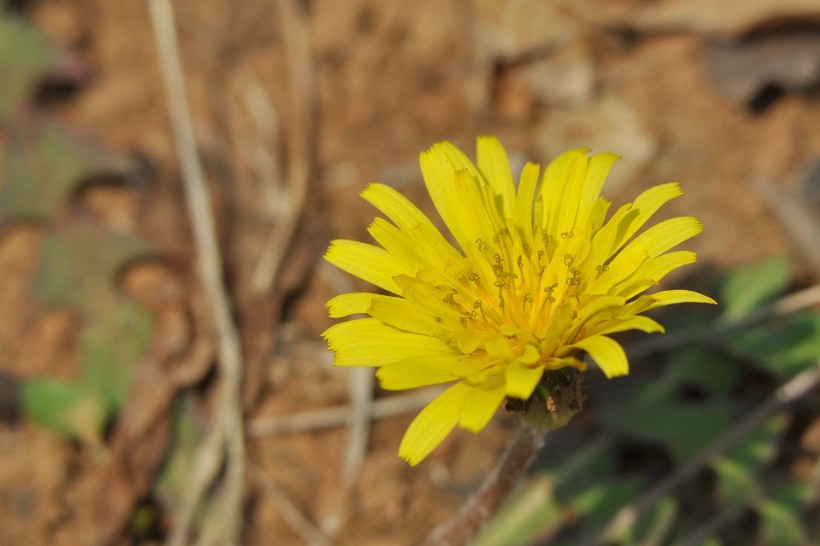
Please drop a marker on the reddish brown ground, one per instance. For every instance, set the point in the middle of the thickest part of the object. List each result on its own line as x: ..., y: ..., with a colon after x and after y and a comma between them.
x: 392, y: 79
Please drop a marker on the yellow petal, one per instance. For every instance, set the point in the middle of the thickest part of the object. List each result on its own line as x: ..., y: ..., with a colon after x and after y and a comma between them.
x: 649, y: 202
x: 368, y: 262
x: 397, y: 207
x: 403, y: 314
x: 673, y: 297
x: 590, y: 312
x: 345, y: 305
x: 521, y: 380
x: 429, y: 297
x: 649, y: 244
x: 605, y: 241
x: 494, y: 164
x: 456, y: 157
x: 431, y: 241
x: 597, y: 171
x: 476, y: 213
x: 597, y: 215
x: 524, y: 200
x: 607, y: 353
x: 665, y: 235
x: 653, y: 271
x: 645, y: 324
x: 369, y: 342
x: 561, y: 188
x: 433, y: 424
x: 413, y: 372
x: 439, y: 177
x: 400, y: 245
x: 410, y: 219
x: 559, y: 323
x: 481, y: 404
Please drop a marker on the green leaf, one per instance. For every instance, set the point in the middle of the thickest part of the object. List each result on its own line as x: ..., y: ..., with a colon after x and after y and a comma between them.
x: 77, y: 270
x: 186, y: 434
x: 599, y: 503
x: 531, y: 510
x: 737, y: 482
x: 779, y: 513
x: 749, y: 287
x: 781, y: 525
x: 784, y: 348
x: 654, y: 527
x: 684, y: 428
x: 692, y: 366
x: 25, y: 55
x: 43, y: 164
x: 69, y: 409
x: 760, y: 446
x: 112, y: 344
x: 79, y: 263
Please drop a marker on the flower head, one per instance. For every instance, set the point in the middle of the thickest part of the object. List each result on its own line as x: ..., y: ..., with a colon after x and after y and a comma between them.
x: 537, y: 279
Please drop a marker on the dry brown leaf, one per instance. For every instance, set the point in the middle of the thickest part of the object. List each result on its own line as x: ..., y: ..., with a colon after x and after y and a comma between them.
x: 180, y: 355
x: 788, y: 61
x: 719, y: 17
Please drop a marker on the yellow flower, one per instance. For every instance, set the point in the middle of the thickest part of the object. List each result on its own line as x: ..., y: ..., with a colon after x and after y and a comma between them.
x: 537, y: 280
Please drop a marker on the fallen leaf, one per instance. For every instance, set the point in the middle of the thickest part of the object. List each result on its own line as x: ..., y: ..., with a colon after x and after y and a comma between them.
x: 181, y: 353
x: 723, y: 18
x: 44, y: 163
x: 25, y: 55
x: 744, y: 69
x: 77, y: 270
x: 68, y: 408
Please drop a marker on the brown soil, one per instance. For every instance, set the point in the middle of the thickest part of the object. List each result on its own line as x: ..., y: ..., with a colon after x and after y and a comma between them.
x: 392, y: 79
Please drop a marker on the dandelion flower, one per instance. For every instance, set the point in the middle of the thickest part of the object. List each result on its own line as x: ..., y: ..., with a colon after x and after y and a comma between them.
x: 537, y: 280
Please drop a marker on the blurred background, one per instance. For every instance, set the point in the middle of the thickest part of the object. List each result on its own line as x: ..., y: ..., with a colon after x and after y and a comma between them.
x: 111, y: 372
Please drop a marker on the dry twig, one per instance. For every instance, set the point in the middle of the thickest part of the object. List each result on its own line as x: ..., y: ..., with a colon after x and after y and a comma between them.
x: 225, y: 441
x: 508, y: 471
x: 800, y: 224
x: 301, y: 140
x: 297, y: 521
x: 334, y: 417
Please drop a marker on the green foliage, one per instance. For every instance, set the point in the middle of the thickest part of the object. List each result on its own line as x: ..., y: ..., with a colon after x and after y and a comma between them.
x: 68, y: 408
x: 683, y: 428
x: 77, y: 271
x: 747, y: 288
x: 187, y: 433
x: 784, y: 348
x: 24, y: 56
x: 531, y: 508
x: 778, y: 517
x: 42, y: 167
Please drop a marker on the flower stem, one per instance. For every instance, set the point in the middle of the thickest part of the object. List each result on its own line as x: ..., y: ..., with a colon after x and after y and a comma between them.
x: 486, y: 501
